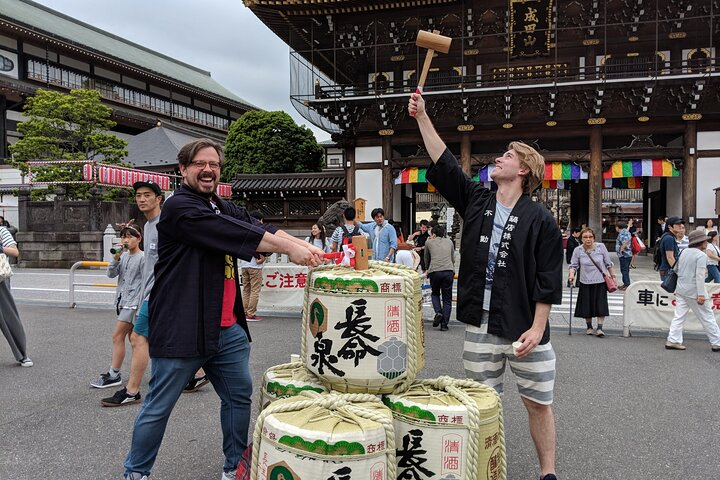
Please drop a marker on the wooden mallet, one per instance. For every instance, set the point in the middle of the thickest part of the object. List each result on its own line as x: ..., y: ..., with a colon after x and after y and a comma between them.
x: 432, y: 41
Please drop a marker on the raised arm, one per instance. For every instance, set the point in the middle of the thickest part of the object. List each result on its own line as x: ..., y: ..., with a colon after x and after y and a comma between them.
x: 433, y: 143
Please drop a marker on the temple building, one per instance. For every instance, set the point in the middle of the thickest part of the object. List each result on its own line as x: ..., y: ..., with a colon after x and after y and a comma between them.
x: 620, y: 96
x: 148, y: 91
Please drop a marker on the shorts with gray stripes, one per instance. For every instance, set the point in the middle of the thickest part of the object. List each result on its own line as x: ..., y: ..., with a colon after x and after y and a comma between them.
x: 485, y: 355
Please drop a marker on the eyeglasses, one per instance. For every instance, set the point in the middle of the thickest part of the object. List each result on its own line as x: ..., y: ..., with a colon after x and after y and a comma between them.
x: 201, y: 164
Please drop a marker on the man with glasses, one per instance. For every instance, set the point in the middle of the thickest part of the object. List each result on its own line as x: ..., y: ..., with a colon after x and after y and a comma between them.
x: 196, y: 310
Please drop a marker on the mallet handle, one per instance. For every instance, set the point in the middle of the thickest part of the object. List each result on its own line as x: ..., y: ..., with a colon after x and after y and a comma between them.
x: 424, y: 73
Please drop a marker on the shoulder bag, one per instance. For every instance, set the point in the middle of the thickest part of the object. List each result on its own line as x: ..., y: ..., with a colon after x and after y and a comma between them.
x: 609, y: 281
x: 669, y: 283
x: 5, y: 270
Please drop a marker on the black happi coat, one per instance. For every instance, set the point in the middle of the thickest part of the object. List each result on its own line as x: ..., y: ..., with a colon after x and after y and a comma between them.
x: 528, y: 267
x: 187, y: 297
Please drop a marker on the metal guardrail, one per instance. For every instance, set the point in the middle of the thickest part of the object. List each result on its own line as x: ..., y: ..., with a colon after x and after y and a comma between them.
x: 85, y: 264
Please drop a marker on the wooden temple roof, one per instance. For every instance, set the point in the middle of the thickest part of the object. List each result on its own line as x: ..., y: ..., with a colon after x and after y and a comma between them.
x: 44, y: 23
x: 313, y: 183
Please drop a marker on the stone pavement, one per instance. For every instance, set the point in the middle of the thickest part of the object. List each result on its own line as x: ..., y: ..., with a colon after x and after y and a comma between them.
x: 626, y: 407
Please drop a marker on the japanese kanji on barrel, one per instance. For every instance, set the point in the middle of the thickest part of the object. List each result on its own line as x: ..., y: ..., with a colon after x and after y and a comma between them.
x: 362, y: 329
x: 322, y: 436
x: 448, y: 428
x: 288, y: 380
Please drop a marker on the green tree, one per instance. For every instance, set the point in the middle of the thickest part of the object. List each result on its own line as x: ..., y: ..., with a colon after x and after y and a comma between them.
x: 270, y: 142
x: 66, y: 126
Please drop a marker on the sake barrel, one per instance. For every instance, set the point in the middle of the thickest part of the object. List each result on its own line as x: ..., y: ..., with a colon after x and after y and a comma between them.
x: 362, y: 329
x: 449, y: 429
x: 323, y: 436
x: 288, y: 380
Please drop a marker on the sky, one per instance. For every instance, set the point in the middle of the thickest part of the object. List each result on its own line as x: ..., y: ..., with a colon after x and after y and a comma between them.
x: 220, y: 36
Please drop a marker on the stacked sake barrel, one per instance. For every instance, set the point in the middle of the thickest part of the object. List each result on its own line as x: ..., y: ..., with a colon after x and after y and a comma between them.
x: 458, y: 423
x: 362, y: 330
x: 322, y: 436
x: 288, y: 380
x: 362, y: 336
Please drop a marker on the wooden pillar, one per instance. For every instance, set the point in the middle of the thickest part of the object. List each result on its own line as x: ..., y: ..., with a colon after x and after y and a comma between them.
x: 689, y: 174
x: 387, y: 180
x: 465, y: 153
x: 595, y: 181
x: 349, y: 173
x: 590, y: 63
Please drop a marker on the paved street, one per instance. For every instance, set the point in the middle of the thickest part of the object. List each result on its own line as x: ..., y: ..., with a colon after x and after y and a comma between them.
x: 626, y: 408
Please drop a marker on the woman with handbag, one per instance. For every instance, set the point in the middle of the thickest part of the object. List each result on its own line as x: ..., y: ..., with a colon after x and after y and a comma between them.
x: 691, y: 294
x: 9, y: 318
x: 596, y: 276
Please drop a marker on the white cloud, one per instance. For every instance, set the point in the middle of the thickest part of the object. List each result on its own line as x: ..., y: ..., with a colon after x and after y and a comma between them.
x: 221, y: 36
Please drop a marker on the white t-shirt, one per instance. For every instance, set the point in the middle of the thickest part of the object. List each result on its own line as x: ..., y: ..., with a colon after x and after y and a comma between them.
x: 712, y: 248
x: 501, y: 216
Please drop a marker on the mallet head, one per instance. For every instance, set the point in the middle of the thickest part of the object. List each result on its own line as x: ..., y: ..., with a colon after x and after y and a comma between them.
x: 433, y: 41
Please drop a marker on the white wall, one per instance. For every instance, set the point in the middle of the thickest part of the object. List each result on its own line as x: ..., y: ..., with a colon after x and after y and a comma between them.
x: 368, y: 154
x: 708, y: 175
x: 674, y: 197
x: 368, y: 185
x: 8, y: 202
x: 397, y: 203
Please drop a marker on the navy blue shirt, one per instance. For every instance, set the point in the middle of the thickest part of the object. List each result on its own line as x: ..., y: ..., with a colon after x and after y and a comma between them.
x: 667, y: 242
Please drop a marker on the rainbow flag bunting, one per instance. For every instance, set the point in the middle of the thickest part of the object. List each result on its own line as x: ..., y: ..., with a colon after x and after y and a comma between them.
x: 641, y: 168
x: 629, y: 182
x: 413, y: 175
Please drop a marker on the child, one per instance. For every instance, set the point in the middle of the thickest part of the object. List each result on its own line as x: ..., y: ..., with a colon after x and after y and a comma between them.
x: 127, y: 266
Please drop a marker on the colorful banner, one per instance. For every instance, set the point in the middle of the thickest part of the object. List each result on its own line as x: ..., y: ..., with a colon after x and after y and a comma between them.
x: 641, y: 168
x: 630, y: 182
x: 530, y: 22
x: 413, y: 175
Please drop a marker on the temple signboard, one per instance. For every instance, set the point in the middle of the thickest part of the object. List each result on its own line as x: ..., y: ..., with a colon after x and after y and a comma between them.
x: 530, y: 22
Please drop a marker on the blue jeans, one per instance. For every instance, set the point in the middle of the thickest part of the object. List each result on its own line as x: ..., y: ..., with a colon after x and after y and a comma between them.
x: 713, y: 274
x: 625, y: 270
x: 229, y: 373
x: 442, y: 282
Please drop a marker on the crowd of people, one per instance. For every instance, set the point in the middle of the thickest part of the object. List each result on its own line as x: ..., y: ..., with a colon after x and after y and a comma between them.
x: 181, y: 270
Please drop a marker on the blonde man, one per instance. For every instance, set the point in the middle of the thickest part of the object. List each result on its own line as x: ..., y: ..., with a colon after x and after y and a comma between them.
x: 510, y: 274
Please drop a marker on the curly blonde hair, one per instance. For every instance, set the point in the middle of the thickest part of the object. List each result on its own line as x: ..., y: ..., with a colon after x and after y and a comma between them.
x: 533, y: 161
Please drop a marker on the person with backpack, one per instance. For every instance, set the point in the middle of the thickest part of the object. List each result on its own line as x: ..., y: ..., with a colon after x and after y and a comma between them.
x: 344, y: 233
x: 668, y: 249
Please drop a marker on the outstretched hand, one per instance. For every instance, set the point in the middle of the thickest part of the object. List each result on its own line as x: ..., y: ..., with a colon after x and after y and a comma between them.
x: 305, y: 255
x: 416, y: 105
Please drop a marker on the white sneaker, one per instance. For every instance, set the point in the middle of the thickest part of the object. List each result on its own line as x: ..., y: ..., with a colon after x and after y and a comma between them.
x: 26, y: 362
x: 229, y: 475
x: 135, y: 476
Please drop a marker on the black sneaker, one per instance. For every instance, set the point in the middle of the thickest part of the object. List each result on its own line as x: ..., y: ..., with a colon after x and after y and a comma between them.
x: 196, y: 384
x: 438, y: 318
x: 444, y: 328
x: 121, y: 398
x: 549, y: 476
x: 106, y: 381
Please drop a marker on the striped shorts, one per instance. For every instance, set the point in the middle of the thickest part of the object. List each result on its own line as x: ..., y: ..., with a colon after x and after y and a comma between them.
x: 485, y: 355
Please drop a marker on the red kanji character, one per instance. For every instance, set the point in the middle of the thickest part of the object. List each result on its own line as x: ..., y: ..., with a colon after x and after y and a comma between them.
x: 393, y: 326
x: 451, y: 463
x: 301, y: 279
x: 396, y: 287
x: 452, y: 446
x: 384, y: 287
x: 287, y: 280
x: 716, y: 301
x: 442, y: 418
